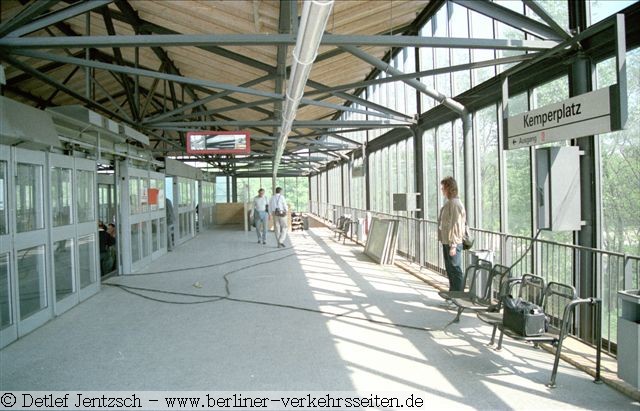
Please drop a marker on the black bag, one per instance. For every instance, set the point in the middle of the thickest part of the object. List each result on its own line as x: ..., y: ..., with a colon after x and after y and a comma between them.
x: 467, y: 240
x: 280, y: 213
x: 524, y: 318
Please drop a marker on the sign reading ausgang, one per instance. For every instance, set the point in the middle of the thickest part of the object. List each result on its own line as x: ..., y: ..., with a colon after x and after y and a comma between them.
x: 583, y: 115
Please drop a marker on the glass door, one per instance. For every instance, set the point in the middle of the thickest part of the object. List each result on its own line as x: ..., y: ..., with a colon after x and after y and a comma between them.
x: 8, y: 328
x: 30, y: 241
x: 63, y: 232
x: 86, y: 247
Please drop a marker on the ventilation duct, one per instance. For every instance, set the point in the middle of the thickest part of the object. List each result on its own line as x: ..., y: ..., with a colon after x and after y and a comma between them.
x: 313, y: 22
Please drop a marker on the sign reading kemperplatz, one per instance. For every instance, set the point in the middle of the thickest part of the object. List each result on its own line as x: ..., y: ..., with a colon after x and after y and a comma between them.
x: 583, y: 115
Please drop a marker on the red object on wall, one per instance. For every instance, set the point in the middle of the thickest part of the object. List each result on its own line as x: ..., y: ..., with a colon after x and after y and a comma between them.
x: 153, y: 195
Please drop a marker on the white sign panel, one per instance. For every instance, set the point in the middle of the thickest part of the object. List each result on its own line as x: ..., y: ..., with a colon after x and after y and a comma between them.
x: 583, y: 115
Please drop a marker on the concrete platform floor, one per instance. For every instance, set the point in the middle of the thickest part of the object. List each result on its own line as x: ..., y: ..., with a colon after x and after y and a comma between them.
x: 343, y: 338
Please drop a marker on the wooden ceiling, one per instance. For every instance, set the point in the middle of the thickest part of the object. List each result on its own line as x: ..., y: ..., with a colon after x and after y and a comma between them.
x: 44, y: 82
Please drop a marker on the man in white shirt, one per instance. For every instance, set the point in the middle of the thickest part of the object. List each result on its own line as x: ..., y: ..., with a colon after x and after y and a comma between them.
x: 278, y: 209
x: 260, y: 216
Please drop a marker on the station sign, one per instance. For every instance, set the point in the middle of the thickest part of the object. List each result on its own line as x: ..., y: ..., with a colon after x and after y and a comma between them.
x: 584, y: 115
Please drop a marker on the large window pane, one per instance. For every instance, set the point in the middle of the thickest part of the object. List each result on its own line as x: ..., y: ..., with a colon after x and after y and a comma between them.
x: 601, y: 9
x: 146, y: 239
x: 63, y: 267
x: 86, y: 190
x: 432, y: 187
x: 135, y: 242
x: 154, y: 236
x: 518, y: 179
x: 144, y: 194
x: 87, y: 260
x: 458, y: 139
x: 486, y: 137
x: 4, y: 222
x: 445, y: 145
x: 61, y: 196
x: 482, y: 27
x: 31, y: 281
x: 163, y: 232
x: 29, y: 204
x: 620, y: 153
x: 134, y: 195
x: 557, y: 9
x: 393, y: 171
x: 5, y: 295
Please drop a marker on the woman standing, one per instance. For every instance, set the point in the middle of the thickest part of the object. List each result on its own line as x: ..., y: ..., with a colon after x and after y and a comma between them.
x: 451, y: 226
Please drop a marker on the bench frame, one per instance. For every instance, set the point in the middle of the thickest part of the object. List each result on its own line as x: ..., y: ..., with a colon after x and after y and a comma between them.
x: 569, y: 293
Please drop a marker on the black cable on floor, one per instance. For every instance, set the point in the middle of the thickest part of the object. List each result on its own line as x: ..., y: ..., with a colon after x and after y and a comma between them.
x: 201, y: 266
x: 216, y: 297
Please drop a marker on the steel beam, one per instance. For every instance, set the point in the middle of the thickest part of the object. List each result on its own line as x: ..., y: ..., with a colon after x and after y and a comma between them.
x: 275, y: 123
x: 200, y: 40
x: 145, y: 73
x: 339, y: 107
x: 113, y: 100
x: 58, y: 16
x: 106, y: 15
x: 381, y: 65
x: 377, y: 107
x: 547, y: 18
x: 27, y: 14
x: 155, y: 29
x: 204, y: 101
x: 56, y: 91
x: 233, y: 107
x: 510, y: 17
x: 425, y: 73
x: 35, y: 73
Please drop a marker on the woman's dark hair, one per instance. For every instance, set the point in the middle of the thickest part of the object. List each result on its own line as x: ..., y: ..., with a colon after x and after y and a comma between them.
x: 450, y: 186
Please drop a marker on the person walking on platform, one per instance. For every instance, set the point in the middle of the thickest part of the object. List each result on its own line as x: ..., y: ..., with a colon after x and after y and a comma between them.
x: 451, y: 226
x: 261, y: 216
x: 278, y: 208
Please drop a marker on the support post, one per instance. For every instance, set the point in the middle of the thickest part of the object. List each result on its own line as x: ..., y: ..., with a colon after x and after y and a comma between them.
x: 580, y: 74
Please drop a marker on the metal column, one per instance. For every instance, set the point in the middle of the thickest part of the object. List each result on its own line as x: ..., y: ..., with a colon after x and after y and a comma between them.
x: 580, y: 82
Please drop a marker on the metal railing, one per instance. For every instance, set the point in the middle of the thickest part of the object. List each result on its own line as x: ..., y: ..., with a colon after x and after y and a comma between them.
x: 418, y: 242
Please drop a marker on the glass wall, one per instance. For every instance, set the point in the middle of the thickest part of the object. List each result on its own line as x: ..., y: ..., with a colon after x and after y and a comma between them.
x: 63, y: 268
x: 5, y: 292
x: 61, y: 191
x: 87, y: 260
x: 29, y: 201
x: 4, y: 222
x: 86, y: 191
x: 295, y: 190
x: 221, y: 189
x: 486, y: 138
x: 31, y: 281
x: 620, y: 165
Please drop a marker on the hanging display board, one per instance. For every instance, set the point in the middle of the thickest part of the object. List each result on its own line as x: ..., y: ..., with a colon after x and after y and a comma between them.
x: 218, y: 142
